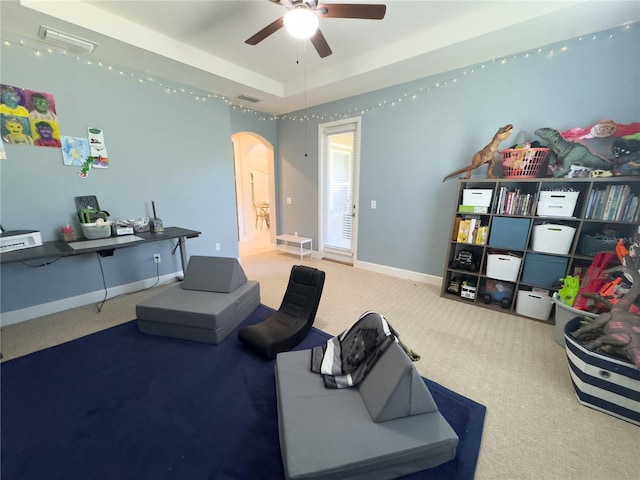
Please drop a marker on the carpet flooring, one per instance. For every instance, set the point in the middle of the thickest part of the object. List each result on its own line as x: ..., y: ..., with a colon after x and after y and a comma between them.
x: 119, y: 404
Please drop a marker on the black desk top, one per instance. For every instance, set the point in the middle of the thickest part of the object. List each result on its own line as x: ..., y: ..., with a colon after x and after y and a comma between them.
x: 62, y: 249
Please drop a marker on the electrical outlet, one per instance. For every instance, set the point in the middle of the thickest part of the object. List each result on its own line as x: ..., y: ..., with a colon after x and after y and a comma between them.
x: 156, y: 258
x: 217, y: 247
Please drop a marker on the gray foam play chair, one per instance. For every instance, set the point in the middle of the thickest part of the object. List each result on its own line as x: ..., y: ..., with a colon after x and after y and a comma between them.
x: 386, y: 428
x: 214, y: 298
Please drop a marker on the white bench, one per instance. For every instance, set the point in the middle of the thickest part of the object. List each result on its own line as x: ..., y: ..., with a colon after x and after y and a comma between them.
x: 293, y: 244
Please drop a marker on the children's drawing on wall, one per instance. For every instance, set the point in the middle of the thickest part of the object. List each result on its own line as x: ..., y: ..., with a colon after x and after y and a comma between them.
x: 16, y: 130
x: 97, y: 148
x: 75, y: 150
x: 3, y: 152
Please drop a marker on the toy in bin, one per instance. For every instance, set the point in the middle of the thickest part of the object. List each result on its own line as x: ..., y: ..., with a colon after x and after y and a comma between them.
x: 465, y: 260
x: 454, y: 286
x: 468, y: 289
x: 93, y: 221
x: 523, y: 161
x: 497, y: 292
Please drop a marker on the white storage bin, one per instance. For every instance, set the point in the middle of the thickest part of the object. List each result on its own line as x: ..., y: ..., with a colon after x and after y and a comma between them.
x: 502, y: 266
x: 533, y: 304
x: 552, y: 238
x: 559, y: 197
x: 96, y: 230
x: 555, y: 209
x: 478, y: 197
x: 602, y: 382
x: 565, y: 313
x: 557, y: 204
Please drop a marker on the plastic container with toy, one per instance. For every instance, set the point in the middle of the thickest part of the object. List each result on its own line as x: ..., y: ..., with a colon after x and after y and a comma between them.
x: 523, y: 162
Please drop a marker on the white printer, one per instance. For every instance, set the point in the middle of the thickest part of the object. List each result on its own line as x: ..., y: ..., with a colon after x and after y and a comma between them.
x: 19, y: 239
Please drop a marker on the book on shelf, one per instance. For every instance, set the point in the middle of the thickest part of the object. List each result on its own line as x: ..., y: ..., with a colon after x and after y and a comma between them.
x: 472, y: 209
x: 471, y: 230
x: 613, y: 203
x: 481, y: 235
x: 624, y: 201
x: 463, y: 231
x: 456, y: 228
x: 513, y: 202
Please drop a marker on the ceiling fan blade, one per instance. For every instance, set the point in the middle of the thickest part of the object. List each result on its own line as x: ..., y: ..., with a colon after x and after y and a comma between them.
x: 351, y: 10
x: 322, y: 47
x: 266, y: 31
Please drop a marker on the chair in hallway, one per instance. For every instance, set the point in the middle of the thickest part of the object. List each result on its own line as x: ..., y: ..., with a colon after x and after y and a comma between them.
x: 290, y: 324
x: 261, y: 214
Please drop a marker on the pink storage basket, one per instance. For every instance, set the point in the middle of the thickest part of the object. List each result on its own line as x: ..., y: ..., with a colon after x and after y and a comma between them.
x: 523, y: 162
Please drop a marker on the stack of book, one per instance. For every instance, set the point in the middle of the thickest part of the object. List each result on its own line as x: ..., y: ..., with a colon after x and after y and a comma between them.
x: 614, y: 203
x: 470, y: 230
x: 513, y: 202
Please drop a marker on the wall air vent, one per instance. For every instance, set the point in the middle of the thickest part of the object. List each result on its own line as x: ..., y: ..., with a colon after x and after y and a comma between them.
x: 249, y: 98
x: 65, y: 40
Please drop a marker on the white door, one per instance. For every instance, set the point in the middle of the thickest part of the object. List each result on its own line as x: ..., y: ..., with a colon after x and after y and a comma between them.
x: 339, y: 160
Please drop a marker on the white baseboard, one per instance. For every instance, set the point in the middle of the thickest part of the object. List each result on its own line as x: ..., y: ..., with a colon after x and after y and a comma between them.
x: 400, y: 273
x: 23, y: 314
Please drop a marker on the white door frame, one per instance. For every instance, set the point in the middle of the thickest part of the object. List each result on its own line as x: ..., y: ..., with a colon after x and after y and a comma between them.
x: 242, y: 143
x: 323, y: 128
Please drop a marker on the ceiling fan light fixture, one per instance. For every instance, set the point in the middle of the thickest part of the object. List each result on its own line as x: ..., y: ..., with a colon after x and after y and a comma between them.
x: 301, y: 22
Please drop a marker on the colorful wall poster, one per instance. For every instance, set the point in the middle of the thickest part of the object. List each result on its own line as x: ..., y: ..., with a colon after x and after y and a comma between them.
x: 39, y: 108
x: 75, y: 150
x: 13, y: 101
x: 41, y: 105
x: 15, y: 129
x: 97, y: 148
x: 45, y: 133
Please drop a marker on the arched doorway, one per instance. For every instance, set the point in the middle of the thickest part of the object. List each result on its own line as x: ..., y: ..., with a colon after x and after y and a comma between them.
x: 255, y: 193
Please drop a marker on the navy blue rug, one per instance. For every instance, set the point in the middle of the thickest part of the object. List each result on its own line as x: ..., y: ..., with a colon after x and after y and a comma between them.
x: 120, y: 404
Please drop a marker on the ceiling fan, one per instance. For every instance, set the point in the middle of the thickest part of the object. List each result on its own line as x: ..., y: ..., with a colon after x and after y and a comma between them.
x: 301, y: 20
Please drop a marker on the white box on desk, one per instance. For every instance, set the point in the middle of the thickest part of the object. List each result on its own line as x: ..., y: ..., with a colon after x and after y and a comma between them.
x: 503, y: 266
x: 552, y: 238
x: 478, y: 197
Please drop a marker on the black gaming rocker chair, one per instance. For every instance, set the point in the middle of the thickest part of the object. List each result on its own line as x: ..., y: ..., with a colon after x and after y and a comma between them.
x: 290, y: 324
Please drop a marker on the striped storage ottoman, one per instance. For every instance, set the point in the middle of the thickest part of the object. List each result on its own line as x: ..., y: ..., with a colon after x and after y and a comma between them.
x: 603, y: 382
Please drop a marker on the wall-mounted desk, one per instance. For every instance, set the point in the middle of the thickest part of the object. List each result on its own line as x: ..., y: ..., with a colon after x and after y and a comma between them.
x: 108, y: 245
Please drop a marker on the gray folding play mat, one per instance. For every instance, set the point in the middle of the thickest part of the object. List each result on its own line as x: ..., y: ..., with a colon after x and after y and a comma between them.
x: 214, y: 298
x: 386, y: 428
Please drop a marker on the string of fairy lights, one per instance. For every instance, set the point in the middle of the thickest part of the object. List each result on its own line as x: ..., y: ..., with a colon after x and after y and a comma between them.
x: 202, y: 96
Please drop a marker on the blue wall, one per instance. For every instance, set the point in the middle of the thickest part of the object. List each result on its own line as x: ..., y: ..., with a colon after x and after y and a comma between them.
x: 172, y: 148
x: 176, y: 149
x: 407, y: 147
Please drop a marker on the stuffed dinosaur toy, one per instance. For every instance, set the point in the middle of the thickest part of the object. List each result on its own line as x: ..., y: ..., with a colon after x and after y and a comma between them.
x: 486, y: 155
x: 571, y: 153
x: 618, y: 330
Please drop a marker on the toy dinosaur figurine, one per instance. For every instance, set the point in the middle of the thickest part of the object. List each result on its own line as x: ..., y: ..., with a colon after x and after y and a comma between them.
x: 571, y: 153
x: 486, y: 155
x: 618, y: 331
